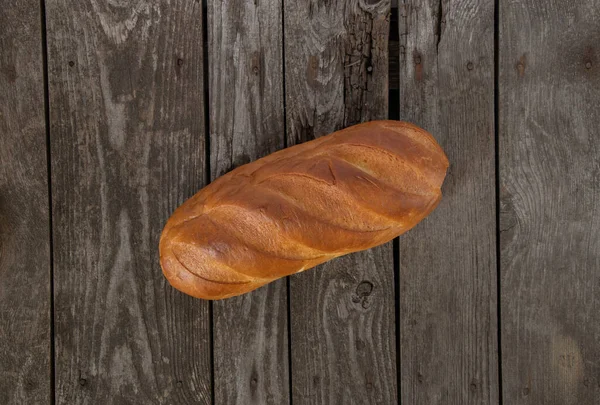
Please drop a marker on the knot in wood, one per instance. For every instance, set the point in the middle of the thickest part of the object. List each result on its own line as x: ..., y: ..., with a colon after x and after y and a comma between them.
x: 473, y: 386
x: 364, y: 289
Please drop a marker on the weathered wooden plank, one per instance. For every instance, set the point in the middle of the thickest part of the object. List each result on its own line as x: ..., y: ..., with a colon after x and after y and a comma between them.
x: 246, y: 123
x: 550, y: 201
x: 342, y: 319
x: 25, y: 339
x: 448, y: 269
x: 127, y: 142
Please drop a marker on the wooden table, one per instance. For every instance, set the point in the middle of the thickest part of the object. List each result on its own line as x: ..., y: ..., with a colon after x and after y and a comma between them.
x: 112, y: 113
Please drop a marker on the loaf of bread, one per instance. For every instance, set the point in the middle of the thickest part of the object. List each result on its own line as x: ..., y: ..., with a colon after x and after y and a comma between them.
x: 294, y: 209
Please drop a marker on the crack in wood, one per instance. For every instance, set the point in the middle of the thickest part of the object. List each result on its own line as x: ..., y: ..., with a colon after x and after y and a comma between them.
x: 438, y: 28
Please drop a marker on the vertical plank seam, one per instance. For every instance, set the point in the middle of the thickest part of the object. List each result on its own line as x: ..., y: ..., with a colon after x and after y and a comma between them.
x: 394, y: 114
x: 396, y: 251
x: 285, y: 140
x: 497, y: 156
x: 285, y: 145
x: 206, y: 89
x: 207, y: 179
x: 44, y: 39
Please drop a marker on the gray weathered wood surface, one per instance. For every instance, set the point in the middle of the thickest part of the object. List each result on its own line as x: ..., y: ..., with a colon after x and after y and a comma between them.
x: 550, y: 201
x: 448, y: 323
x: 127, y: 131
x: 247, y: 122
x: 25, y: 332
x: 342, y: 313
x: 127, y: 95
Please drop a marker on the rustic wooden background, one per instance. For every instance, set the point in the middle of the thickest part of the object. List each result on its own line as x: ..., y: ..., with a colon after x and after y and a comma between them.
x: 112, y: 113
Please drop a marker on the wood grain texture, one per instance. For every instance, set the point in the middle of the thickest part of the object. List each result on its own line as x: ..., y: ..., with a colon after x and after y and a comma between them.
x: 246, y: 123
x: 448, y: 272
x: 342, y: 318
x: 127, y: 147
x: 25, y: 339
x: 550, y: 201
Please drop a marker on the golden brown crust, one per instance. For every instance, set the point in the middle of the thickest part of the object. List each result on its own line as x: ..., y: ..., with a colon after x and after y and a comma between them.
x: 294, y: 209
